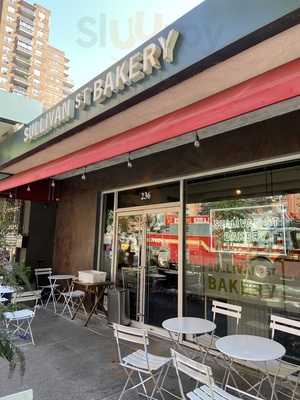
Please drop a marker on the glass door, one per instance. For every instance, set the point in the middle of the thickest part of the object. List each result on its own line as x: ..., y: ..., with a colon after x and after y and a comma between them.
x: 147, y: 263
x: 161, y: 268
x: 130, y: 258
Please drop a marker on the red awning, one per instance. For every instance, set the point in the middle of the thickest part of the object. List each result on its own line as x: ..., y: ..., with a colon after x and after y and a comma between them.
x: 269, y: 88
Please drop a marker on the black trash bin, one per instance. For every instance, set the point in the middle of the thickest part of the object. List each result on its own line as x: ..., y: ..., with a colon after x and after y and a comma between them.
x: 118, y: 306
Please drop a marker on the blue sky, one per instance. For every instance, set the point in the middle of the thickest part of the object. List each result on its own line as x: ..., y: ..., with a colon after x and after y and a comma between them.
x: 95, y: 34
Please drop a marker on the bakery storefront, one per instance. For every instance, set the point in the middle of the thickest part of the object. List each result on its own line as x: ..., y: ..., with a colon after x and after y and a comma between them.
x: 177, y: 171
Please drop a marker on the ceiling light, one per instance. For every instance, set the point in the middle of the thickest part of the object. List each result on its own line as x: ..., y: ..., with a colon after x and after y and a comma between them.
x: 129, y: 163
x: 28, y: 188
x: 196, y: 141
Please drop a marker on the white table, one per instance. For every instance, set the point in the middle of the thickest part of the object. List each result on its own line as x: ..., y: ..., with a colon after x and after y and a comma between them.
x: 53, y: 280
x: 177, y: 327
x: 189, y: 326
x: 5, y: 290
x: 250, y: 348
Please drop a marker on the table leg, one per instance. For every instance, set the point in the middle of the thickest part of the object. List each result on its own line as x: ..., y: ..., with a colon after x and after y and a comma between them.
x: 98, y: 298
x: 266, y: 377
x: 77, y: 308
x: 202, y: 348
x: 53, y: 295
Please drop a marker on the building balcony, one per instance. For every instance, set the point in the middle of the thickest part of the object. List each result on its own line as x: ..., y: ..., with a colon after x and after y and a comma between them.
x: 22, y: 62
x: 20, y: 71
x: 24, y: 30
x: 26, y: 12
x: 67, y: 91
x: 23, y: 51
x: 20, y: 81
x: 68, y: 83
x: 19, y: 90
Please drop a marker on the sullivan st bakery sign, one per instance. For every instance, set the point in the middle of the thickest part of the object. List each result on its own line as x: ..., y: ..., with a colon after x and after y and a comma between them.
x: 132, y: 70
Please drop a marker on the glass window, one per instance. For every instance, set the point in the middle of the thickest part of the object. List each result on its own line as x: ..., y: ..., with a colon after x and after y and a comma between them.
x: 242, y: 246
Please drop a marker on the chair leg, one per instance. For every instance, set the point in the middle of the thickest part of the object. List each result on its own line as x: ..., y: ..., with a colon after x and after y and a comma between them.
x: 129, y: 374
x: 156, y: 385
x: 30, y: 332
x: 296, y: 387
x: 68, y: 301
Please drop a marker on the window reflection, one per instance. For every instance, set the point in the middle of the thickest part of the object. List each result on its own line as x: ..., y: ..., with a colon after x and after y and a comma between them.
x: 244, y: 249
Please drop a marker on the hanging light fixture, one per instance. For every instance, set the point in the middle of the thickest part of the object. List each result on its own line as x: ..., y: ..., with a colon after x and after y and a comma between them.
x: 10, y: 195
x: 196, y: 141
x: 83, y: 176
x: 53, y: 183
x: 129, y: 163
x: 28, y: 188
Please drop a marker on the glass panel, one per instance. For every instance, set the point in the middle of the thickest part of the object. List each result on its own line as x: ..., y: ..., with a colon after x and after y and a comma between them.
x: 243, y: 247
x: 129, y: 253
x: 161, y: 267
x: 107, y: 234
x: 149, y: 195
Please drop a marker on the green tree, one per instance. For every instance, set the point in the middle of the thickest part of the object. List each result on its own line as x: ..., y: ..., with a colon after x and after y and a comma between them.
x: 11, y: 276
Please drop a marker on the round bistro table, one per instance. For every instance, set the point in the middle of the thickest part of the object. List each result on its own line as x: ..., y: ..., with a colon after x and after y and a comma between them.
x: 250, y: 348
x: 6, y: 293
x: 177, y: 327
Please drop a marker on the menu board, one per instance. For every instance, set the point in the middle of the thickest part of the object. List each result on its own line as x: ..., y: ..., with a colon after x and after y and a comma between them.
x: 259, y: 230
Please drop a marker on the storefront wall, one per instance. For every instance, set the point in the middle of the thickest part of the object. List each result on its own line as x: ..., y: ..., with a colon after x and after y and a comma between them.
x: 77, y: 209
x: 259, y: 277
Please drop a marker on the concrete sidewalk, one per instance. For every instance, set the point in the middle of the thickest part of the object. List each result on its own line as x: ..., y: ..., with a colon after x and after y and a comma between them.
x: 70, y: 362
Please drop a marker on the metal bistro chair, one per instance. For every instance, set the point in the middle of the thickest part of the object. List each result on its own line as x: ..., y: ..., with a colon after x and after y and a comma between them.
x: 20, y: 320
x: 42, y: 282
x: 146, y: 366
x: 282, y: 370
x: 71, y: 299
x: 202, y: 374
x: 220, y: 308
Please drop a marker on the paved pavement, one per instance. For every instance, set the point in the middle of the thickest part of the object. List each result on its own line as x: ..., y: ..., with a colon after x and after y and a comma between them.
x: 70, y: 362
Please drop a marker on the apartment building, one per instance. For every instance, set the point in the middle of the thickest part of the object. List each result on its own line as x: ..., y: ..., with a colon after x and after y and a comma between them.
x: 28, y: 64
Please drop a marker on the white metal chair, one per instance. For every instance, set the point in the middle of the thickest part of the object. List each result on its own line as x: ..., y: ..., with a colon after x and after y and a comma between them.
x: 42, y: 282
x: 231, y: 311
x: 146, y: 366
x: 26, y: 395
x: 202, y: 374
x: 282, y: 370
x: 71, y: 299
x: 20, y: 320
